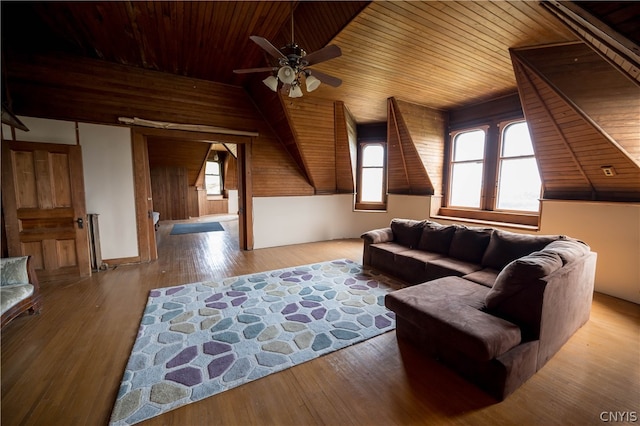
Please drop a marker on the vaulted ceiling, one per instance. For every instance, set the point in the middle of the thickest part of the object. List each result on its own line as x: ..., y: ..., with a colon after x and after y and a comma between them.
x: 438, y: 54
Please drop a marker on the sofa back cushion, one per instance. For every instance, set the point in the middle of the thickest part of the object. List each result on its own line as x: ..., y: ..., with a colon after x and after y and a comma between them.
x: 436, y: 238
x: 469, y: 244
x: 407, y: 232
x: 506, y: 246
x: 520, y: 273
x: 568, y: 249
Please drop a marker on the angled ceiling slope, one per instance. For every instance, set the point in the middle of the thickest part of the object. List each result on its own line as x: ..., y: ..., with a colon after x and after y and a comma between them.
x: 584, y: 116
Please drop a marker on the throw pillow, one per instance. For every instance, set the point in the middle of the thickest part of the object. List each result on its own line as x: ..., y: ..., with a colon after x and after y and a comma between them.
x: 436, y: 238
x: 13, y: 270
x: 407, y: 232
x: 519, y: 273
x: 506, y: 246
x: 469, y: 244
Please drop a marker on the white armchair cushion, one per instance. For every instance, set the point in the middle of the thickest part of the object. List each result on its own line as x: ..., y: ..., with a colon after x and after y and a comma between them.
x: 10, y: 295
x: 13, y: 270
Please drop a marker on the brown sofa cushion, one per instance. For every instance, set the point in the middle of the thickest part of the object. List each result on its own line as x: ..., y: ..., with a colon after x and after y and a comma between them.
x: 487, y: 276
x: 506, y: 246
x: 469, y: 244
x: 407, y: 232
x: 449, y: 308
x: 520, y: 273
x: 436, y: 238
x: 568, y: 249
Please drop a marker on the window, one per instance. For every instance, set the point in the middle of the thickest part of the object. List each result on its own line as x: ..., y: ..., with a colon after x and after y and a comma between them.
x: 519, y: 180
x: 213, y: 178
x: 493, y: 174
x: 371, y: 177
x: 466, y: 168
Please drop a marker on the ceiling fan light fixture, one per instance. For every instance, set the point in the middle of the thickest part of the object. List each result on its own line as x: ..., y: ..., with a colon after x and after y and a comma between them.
x: 286, y: 74
x: 295, y: 91
x: 271, y: 82
x: 312, y: 83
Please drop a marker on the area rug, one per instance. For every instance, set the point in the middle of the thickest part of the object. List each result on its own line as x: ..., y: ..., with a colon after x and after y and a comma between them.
x: 194, y: 228
x: 197, y: 340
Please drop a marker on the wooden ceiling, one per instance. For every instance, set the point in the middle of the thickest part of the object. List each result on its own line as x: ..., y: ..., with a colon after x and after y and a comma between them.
x: 443, y: 55
x: 439, y: 54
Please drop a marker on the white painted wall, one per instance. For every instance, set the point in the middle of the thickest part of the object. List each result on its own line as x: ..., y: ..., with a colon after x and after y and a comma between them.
x: 48, y: 131
x: 281, y: 221
x: 109, y: 187
x: 44, y: 131
x: 232, y: 203
x: 612, y: 230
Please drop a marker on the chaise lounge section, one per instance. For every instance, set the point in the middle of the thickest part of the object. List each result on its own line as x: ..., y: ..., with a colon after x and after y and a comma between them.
x: 493, y: 305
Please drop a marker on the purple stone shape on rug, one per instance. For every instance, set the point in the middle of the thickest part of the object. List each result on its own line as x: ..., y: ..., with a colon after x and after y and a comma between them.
x: 239, y: 301
x: 299, y: 318
x: 289, y: 309
x: 214, y: 298
x: 188, y: 376
x: 184, y: 357
x: 174, y: 290
x: 220, y: 365
x: 382, y: 322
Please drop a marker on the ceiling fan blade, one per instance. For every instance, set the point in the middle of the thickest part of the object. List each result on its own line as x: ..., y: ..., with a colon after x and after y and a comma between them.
x: 324, y: 54
x: 268, y: 47
x: 325, y: 78
x: 250, y: 70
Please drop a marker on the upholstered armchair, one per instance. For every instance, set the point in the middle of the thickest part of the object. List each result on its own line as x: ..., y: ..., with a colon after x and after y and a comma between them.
x: 19, y: 288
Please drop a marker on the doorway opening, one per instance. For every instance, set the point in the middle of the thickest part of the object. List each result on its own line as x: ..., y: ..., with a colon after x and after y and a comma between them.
x: 172, y: 182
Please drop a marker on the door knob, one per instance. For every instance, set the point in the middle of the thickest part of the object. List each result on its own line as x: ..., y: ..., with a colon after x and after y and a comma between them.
x: 80, y: 223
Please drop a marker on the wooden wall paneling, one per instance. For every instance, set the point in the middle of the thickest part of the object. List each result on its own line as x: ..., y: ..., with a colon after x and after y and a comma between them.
x: 346, y: 145
x: 272, y: 106
x: 175, y: 152
x: 97, y: 91
x: 605, y: 96
x: 193, y: 202
x: 170, y: 192
x: 312, y: 121
x: 230, y: 168
x: 426, y: 128
x: 572, y: 149
x: 406, y: 171
x: 70, y: 88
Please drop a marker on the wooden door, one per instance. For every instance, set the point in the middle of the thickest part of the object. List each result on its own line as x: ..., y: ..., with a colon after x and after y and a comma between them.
x: 44, y: 206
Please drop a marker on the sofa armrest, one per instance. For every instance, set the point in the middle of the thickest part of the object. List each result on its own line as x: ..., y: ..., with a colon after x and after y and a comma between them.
x: 376, y: 236
x: 382, y: 235
x: 567, y: 303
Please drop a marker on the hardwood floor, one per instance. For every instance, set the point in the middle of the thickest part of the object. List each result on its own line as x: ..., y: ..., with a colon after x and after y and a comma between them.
x: 63, y: 367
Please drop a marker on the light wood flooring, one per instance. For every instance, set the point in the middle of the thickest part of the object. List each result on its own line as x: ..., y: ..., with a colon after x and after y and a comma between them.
x: 63, y: 367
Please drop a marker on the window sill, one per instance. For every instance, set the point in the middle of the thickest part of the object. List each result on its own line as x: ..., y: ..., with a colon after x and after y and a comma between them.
x: 371, y: 207
x: 491, y: 218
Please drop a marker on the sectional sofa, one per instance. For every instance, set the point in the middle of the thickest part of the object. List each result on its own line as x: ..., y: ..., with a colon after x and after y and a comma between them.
x: 493, y: 305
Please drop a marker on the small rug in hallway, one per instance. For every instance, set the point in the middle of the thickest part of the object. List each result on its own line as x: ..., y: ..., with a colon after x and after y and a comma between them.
x: 194, y: 228
x: 197, y: 340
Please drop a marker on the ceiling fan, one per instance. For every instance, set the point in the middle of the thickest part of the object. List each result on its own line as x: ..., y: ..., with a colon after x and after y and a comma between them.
x: 293, y: 66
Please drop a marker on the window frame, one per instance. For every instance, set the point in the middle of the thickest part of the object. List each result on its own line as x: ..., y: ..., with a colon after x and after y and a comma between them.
x: 219, y: 175
x: 503, y: 126
x: 487, y: 212
x: 370, y: 205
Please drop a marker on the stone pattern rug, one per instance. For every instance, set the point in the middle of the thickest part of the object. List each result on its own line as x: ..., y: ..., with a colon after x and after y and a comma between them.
x: 200, y: 339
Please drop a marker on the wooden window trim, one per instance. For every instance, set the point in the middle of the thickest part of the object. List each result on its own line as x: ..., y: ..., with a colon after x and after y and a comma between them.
x: 488, y: 212
x: 367, y: 205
